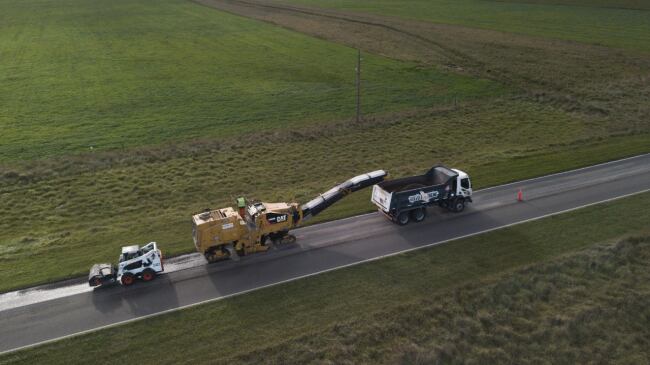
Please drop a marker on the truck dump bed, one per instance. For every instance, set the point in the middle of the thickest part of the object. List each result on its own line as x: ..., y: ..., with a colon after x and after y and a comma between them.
x: 409, y: 192
x: 436, y: 176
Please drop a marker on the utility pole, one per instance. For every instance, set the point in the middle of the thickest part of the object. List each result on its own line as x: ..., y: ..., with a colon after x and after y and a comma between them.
x: 358, y: 85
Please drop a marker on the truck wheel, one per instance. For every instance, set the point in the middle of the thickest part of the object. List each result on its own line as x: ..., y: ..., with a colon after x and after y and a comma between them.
x: 459, y: 205
x: 128, y: 279
x: 403, y: 218
x: 418, y: 215
x: 148, y: 275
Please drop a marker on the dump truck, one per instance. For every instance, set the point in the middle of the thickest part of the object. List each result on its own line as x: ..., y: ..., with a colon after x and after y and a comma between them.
x: 406, y: 199
x: 135, y: 262
x: 251, y: 226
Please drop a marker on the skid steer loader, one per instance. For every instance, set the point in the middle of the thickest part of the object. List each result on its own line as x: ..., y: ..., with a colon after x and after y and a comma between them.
x: 135, y: 262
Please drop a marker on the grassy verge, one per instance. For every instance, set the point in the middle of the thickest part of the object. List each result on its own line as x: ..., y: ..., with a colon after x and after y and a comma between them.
x: 589, y: 307
x: 333, y: 317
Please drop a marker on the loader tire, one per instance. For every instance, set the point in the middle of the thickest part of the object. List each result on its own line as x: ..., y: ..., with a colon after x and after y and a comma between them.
x: 148, y: 275
x: 128, y: 279
x: 418, y: 215
x: 403, y: 218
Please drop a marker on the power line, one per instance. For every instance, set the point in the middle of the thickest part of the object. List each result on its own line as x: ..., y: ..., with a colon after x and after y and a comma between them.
x: 358, y: 85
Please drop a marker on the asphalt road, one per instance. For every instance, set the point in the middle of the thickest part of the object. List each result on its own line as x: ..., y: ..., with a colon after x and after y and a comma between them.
x: 321, y: 247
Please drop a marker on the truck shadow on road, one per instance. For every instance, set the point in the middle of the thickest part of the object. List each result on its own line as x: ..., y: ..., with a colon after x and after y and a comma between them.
x: 443, y: 227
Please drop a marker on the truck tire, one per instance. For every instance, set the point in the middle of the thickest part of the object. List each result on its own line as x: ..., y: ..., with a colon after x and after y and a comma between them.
x: 128, y: 279
x: 418, y: 215
x: 458, y: 205
x: 403, y: 218
x: 148, y: 275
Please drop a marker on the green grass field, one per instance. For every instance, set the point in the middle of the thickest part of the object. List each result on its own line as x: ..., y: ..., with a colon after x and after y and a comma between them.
x: 77, y: 74
x: 504, y: 296
x: 624, y: 24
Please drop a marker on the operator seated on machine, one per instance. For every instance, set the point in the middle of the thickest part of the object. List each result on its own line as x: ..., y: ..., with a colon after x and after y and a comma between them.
x: 130, y: 252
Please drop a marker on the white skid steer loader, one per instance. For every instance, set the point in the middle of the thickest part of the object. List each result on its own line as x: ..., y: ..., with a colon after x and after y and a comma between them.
x: 135, y: 263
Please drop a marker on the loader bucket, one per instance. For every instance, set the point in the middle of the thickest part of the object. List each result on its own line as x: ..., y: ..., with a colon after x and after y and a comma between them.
x: 101, y: 274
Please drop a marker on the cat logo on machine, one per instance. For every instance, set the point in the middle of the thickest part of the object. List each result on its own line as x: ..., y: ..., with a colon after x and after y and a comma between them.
x: 276, y: 218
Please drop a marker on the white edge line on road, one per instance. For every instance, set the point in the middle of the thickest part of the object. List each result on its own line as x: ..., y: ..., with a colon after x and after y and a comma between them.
x: 316, y: 273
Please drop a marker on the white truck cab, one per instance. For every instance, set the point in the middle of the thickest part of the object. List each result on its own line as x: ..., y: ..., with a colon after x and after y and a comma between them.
x: 464, y: 184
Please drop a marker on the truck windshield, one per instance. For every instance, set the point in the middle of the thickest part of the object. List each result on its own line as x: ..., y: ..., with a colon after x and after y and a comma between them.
x: 464, y: 183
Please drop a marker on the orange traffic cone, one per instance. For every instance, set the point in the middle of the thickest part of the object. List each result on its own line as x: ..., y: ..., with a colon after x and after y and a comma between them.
x: 520, y: 196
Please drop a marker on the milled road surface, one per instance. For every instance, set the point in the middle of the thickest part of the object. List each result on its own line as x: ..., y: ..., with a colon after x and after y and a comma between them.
x: 321, y: 247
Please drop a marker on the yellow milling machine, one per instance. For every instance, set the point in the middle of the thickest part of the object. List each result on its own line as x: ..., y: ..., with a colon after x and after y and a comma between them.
x: 250, y: 227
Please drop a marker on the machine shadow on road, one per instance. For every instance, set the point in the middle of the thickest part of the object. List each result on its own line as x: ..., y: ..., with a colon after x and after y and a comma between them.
x: 255, y: 271
x: 141, y: 298
x: 289, y: 263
